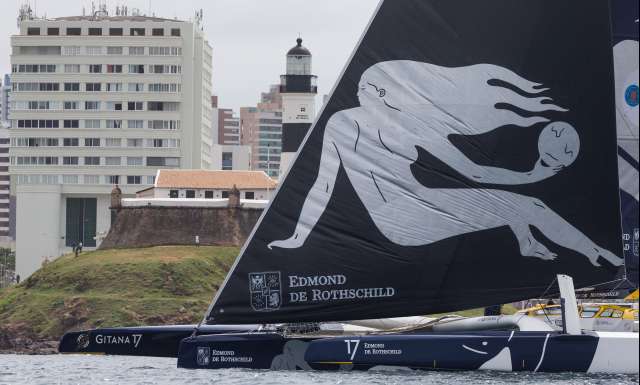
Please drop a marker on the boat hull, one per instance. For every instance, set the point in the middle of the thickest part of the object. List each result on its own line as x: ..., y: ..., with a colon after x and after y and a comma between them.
x: 153, y: 341
x: 499, y: 350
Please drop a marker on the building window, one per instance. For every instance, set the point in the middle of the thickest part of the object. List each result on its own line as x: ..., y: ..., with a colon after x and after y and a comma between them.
x: 95, y: 68
x: 113, y: 87
x: 72, y: 87
x: 92, y: 160
x: 208, y: 194
x: 32, y: 31
x: 135, y: 106
x: 136, y: 69
x: 92, y: 123
x: 136, y: 51
x: 72, y: 68
x: 136, y: 31
x: 225, y: 194
x: 70, y: 160
x: 115, y: 32
x: 93, y: 51
x: 134, y: 161
x: 92, y: 142
x: 74, y: 31
x: 157, y: 32
x: 175, y: 31
x: 112, y: 179
x: 114, y: 68
x: 135, y: 87
x: 112, y: 161
x: 91, y: 105
x: 113, y: 142
x: 134, y: 142
x: 111, y: 123
x: 190, y: 194
x: 173, y: 193
x: 93, y: 87
x: 70, y: 179
x: 95, y: 31
x: 249, y: 195
x: 114, y: 106
x: 134, y: 179
x: 91, y: 179
x: 227, y: 161
x: 53, y: 31
x: 71, y: 50
x: 70, y: 142
x: 151, y: 179
x: 114, y: 50
x: 135, y: 123
x: 69, y: 105
x: 71, y: 124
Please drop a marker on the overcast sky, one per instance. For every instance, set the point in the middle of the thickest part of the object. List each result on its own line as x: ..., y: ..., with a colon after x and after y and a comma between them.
x: 249, y: 37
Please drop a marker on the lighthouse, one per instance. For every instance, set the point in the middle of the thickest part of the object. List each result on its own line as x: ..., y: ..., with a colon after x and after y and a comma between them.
x: 298, y: 89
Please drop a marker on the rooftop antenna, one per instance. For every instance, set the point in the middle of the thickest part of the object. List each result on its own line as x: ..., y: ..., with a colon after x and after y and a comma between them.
x: 198, y: 19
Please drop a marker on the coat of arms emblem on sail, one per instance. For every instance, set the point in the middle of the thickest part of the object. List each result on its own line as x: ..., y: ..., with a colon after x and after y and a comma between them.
x: 265, y: 289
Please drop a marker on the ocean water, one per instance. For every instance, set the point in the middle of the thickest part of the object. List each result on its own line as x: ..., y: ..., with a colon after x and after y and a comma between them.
x: 82, y: 369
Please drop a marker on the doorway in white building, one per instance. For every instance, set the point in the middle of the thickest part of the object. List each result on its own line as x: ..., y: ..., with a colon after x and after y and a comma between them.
x: 81, y: 222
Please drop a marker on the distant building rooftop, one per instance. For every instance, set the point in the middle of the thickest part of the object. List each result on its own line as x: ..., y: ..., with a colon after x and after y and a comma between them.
x: 214, y: 179
x: 112, y: 18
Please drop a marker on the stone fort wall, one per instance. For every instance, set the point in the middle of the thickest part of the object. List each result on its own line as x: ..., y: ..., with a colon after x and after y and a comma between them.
x: 159, y: 226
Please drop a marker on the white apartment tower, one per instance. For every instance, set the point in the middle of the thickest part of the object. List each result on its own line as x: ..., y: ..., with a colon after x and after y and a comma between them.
x: 99, y: 101
x: 5, y: 205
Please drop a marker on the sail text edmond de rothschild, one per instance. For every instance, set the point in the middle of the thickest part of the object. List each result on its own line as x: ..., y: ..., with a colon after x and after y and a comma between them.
x: 318, y: 295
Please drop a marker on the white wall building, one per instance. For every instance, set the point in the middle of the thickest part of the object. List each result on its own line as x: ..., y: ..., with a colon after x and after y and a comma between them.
x: 5, y: 205
x: 231, y: 157
x: 4, y: 99
x: 98, y: 101
x: 210, y: 184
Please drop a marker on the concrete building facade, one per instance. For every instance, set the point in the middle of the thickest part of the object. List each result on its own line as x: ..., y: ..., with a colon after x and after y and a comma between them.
x: 5, y: 198
x: 262, y: 131
x: 4, y: 99
x: 99, y: 101
x: 209, y: 184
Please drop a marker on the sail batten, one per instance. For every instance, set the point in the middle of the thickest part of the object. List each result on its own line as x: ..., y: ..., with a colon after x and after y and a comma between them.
x: 463, y: 159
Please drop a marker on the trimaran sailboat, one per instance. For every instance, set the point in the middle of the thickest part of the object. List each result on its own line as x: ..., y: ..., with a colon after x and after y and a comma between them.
x: 466, y: 157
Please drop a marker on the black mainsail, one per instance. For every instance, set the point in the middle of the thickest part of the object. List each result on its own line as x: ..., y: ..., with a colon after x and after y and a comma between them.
x: 463, y: 159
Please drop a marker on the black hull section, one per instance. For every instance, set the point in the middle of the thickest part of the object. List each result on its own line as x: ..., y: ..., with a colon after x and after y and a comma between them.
x: 509, y: 351
x: 153, y: 341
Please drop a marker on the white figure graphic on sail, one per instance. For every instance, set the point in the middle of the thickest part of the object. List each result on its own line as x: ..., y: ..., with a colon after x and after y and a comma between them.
x: 406, y: 105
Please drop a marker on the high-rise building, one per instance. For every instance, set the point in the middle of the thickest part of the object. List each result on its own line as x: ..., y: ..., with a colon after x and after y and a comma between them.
x: 298, y: 89
x: 228, y: 127
x: 5, y: 204
x: 228, y: 153
x: 4, y: 99
x: 262, y: 130
x: 99, y: 101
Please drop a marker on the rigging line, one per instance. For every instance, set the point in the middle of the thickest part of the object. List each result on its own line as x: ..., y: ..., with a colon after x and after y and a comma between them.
x: 544, y: 307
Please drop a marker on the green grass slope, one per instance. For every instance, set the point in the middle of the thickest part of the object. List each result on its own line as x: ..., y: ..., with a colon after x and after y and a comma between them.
x: 125, y: 287
x: 146, y: 286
